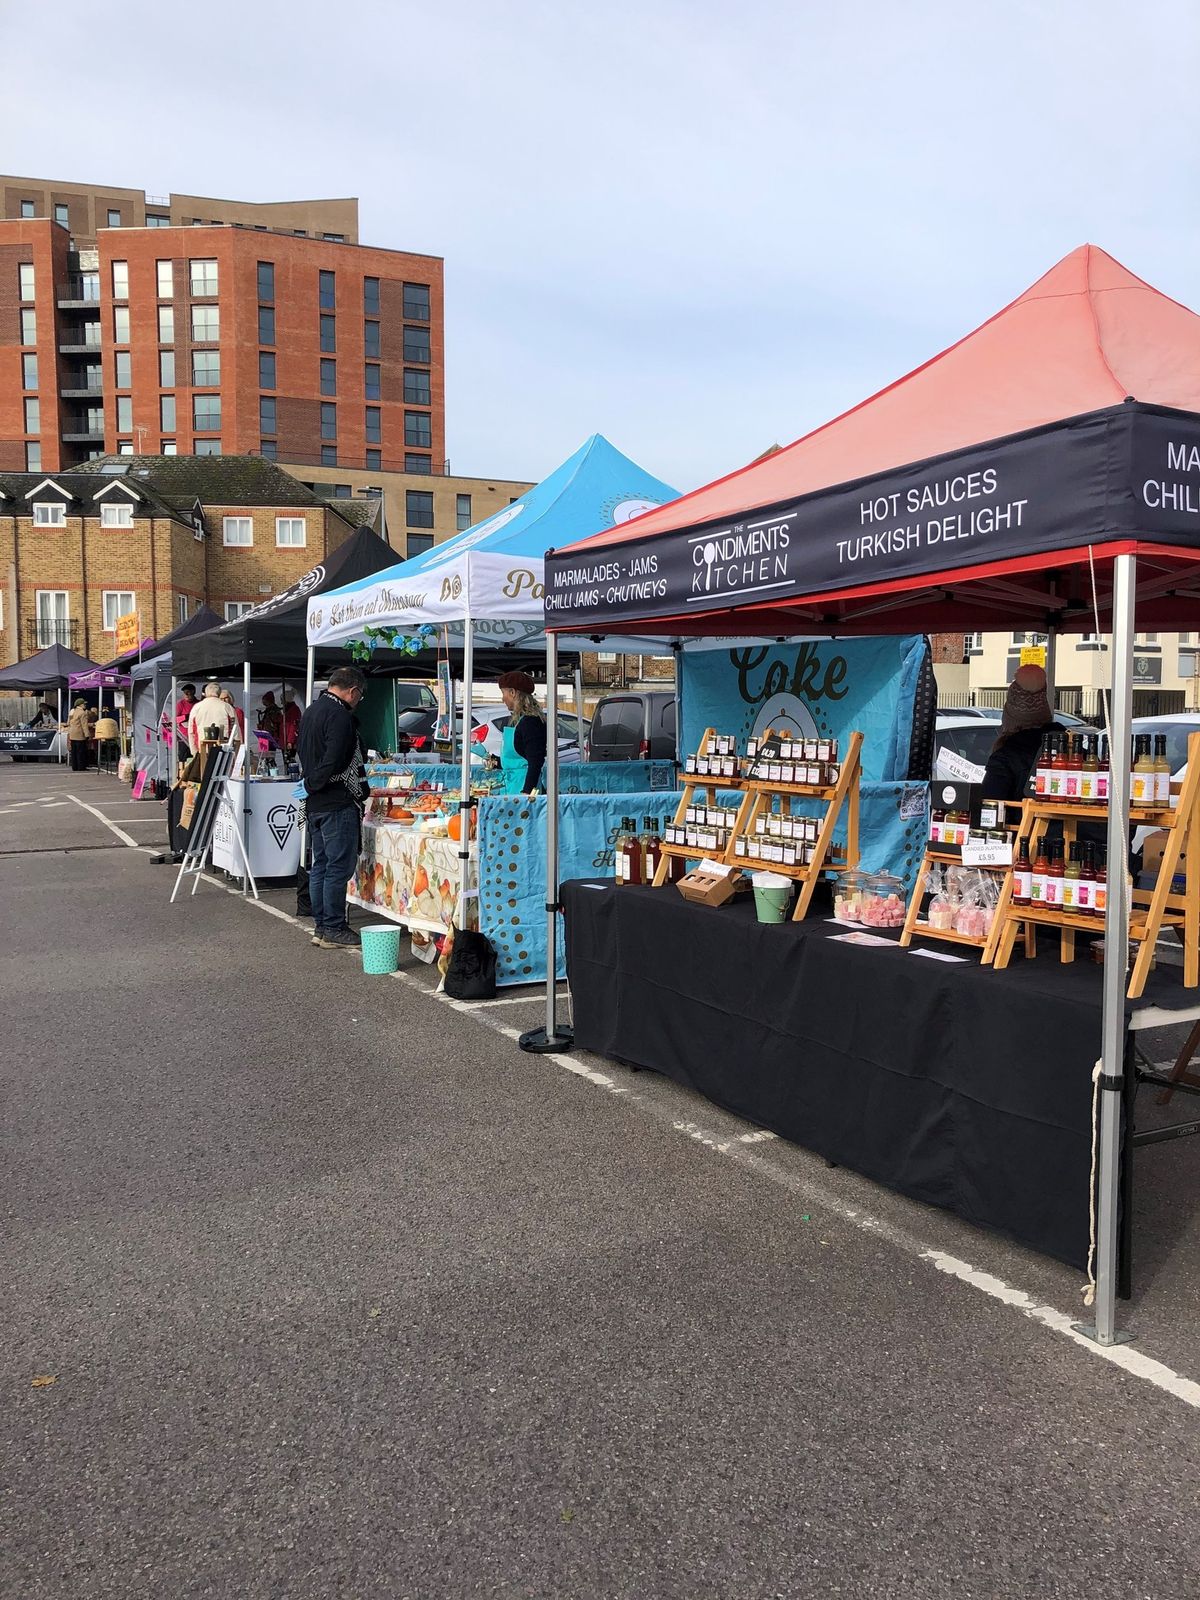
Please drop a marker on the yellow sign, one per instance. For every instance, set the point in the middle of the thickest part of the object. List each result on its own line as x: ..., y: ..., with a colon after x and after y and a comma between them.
x: 1034, y: 655
x: 128, y: 633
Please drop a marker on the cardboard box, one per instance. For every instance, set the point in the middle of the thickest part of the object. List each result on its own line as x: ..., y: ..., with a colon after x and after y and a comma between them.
x: 709, y: 888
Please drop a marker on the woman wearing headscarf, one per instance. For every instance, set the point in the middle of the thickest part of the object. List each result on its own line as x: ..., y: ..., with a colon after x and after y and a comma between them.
x: 1026, y: 720
x: 524, y: 750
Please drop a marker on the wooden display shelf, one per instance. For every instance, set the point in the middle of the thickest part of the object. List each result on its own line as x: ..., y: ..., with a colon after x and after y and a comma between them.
x: 924, y: 930
x: 941, y: 855
x: 1151, y: 910
x: 710, y: 786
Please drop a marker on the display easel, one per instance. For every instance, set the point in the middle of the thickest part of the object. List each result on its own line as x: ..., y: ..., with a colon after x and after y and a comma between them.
x: 1151, y: 910
x: 212, y: 799
x: 938, y: 854
x: 709, y: 787
x: 826, y: 856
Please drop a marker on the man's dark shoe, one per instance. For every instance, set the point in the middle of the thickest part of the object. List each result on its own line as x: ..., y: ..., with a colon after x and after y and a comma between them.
x: 339, y: 939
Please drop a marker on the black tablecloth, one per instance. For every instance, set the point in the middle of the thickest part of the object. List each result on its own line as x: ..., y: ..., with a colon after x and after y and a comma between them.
x: 958, y: 1085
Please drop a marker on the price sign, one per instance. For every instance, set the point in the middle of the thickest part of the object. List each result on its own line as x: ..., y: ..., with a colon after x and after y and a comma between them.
x: 977, y: 852
x: 128, y: 632
x: 950, y: 764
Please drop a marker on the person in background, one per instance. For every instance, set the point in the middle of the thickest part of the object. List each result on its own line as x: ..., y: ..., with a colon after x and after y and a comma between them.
x: 227, y: 696
x: 78, y: 735
x: 270, y: 717
x: 183, y: 710
x: 209, y: 712
x: 332, y: 759
x: 1026, y: 720
x: 46, y: 714
x: 291, y: 721
x: 524, y: 751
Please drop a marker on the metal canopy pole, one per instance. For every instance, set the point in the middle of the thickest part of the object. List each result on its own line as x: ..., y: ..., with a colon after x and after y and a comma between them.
x: 246, y: 797
x: 1116, y: 948
x: 551, y: 1038
x: 578, y: 696
x: 62, y: 738
x: 1052, y: 667
x: 464, y: 798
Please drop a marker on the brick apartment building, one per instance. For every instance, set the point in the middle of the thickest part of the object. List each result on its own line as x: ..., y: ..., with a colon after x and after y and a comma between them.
x: 195, y: 334
x: 157, y: 535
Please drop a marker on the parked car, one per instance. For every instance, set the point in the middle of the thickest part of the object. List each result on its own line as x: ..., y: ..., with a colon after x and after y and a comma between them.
x: 994, y: 713
x: 415, y: 696
x: 415, y: 730
x: 970, y: 737
x: 634, y: 726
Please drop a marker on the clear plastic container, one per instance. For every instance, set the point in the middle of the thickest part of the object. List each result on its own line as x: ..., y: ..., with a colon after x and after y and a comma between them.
x: 848, y: 896
x: 882, y: 901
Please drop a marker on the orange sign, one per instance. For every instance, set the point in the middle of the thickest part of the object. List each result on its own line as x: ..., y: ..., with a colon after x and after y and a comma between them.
x: 128, y: 633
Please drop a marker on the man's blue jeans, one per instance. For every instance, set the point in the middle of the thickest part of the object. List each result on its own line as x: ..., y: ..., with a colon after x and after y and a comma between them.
x: 335, y: 837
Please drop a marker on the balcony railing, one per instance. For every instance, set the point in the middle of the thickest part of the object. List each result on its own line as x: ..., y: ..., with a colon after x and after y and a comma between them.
x: 79, y: 292
x: 76, y: 387
x: 40, y: 633
x: 73, y: 340
x: 75, y: 432
x: 291, y: 458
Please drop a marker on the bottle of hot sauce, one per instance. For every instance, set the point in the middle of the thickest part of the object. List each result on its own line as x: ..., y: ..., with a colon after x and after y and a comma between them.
x: 1054, y: 877
x: 1141, y: 779
x: 1041, y: 781
x: 651, y: 849
x: 1058, y: 769
x: 1071, y: 877
x: 1022, y: 881
x: 1041, y: 869
x: 1102, y: 772
x: 1089, y: 777
x: 1087, y: 879
x: 1100, y: 887
x: 1162, y: 771
x: 629, y: 854
x: 1072, y: 768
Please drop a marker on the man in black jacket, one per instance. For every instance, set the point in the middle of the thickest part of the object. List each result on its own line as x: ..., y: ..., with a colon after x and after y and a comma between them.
x: 335, y: 783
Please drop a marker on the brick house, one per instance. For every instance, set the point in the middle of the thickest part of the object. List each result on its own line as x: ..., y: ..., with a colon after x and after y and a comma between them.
x: 159, y: 535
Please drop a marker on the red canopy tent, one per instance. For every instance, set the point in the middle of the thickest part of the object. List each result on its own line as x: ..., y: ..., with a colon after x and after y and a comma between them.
x: 1042, y: 472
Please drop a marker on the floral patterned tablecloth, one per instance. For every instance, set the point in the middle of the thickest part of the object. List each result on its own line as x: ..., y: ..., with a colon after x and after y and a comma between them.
x: 410, y: 877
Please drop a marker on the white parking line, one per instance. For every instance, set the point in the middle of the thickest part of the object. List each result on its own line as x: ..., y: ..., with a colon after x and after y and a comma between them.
x: 120, y: 832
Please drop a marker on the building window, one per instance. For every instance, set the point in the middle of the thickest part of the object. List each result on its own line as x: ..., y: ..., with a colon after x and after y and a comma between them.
x: 27, y: 208
x: 462, y: 511
x: 266, y: 280
x: 53, y: 617
x: 416, y: 387
x: 266, y: 369
x: 29, y: 371
x: 166, y: 324
x: 94, y: 419
x: 206, y: 368
x: 26, y: 279
x: 183, y: 608
x: 371, y: 345
x: 170, y: 448
x: 328, y: 333
x: 120, y: 280
x: 204, y: 277
x: 328, y: 377
x: 124, y: 447
x: 206, y: 323
x: 266, y: 324
x: 121, y: 324
x: 62, y: 216
x: 117, y: 603
x: 374, y: 461
x: 328, y: 421
x: 418, y: 508
x: 372, y: 383
x: 114, y: 219
x: 166, y: 280
x: 334, y: 238
x: 49, y: 514
x: 326, y: 295
x: 418, y: 543
x: 416, y: 302
x: 374, y: 425
x: 116, y: 514
x: 33, y: 457
x: 269, y: 449
x: 416, y: 344
x: 417, y: 463
x: 123, y: 369
x: 329, y: 455
x: 237, y: 608
x: 33, y: 415
x: 157, y: 220
x: 266, y: 414
x: 206, y: 413
x: 418, y: 428
x: 166, y: 369
x: 371, y: 296
x: 166, y: 413
x: 237, y: 531
x: 29, y: 327
x: 124, y: 414
x: 291, y: 532
x: 206, y: 447
x: 342, y: 491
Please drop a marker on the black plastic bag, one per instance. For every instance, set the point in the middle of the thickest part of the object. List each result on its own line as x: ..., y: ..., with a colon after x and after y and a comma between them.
x: 471, y: 973
x: 303, y: 899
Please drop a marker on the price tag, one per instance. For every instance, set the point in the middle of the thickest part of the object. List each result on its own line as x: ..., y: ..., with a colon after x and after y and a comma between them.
x: 949, y: 764
x: 978, y: 852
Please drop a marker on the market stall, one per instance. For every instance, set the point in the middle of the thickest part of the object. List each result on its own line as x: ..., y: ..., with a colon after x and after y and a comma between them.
x: 1042, y: 473
x: 49, y: 669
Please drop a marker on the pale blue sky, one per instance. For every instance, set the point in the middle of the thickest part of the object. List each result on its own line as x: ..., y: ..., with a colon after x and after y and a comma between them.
x: 696, y: 228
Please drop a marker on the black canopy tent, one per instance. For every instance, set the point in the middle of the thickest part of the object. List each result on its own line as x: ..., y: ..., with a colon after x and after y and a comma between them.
x: 1042, y: 473
x: 48, y: 669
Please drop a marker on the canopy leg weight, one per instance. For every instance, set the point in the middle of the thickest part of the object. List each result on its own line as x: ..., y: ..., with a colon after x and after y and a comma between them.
x: 537, y: 1042
x: 1089, y: 1331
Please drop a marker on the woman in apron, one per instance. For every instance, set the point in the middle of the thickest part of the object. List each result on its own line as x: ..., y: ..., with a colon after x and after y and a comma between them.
x: 524, y: 751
